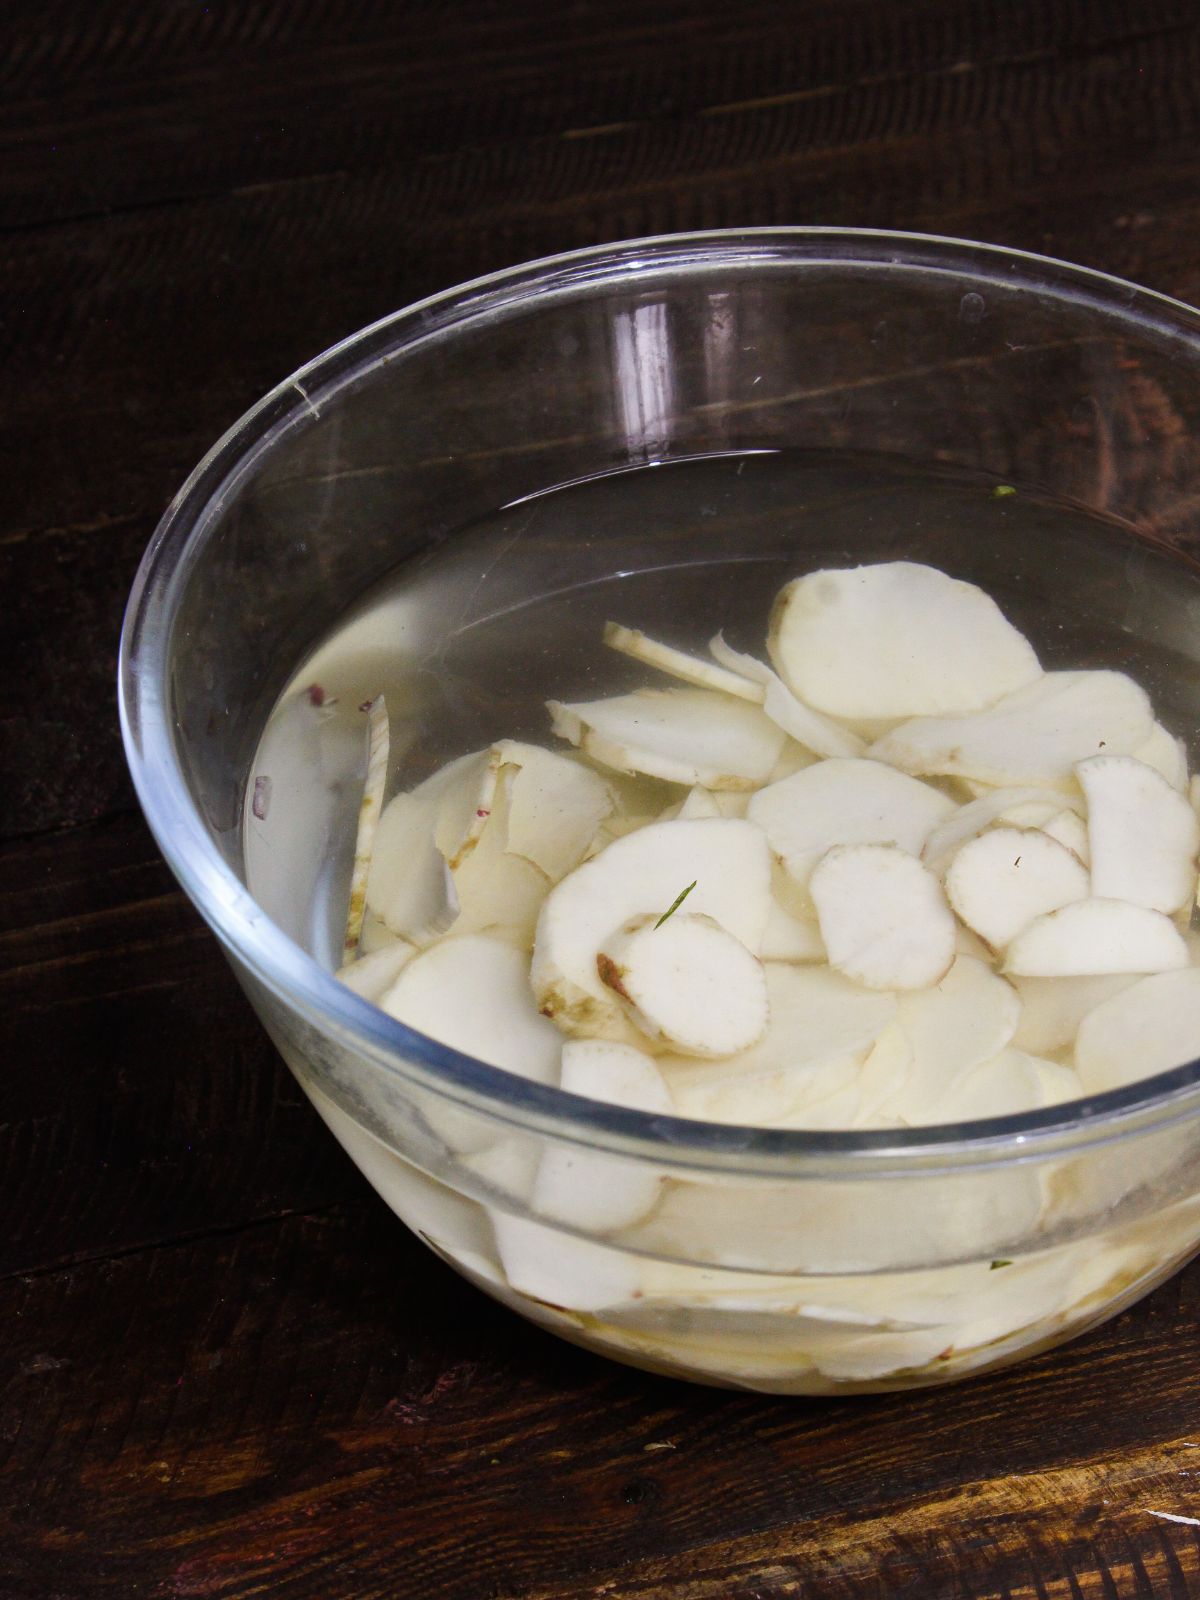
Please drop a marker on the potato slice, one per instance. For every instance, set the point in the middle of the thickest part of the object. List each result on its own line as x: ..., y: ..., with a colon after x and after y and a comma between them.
x: 1003, y: 1086
x: 821, y: 1025
x: 789, y: 938
x: 562, y: 1271
x: 588, y: 1189
x: 999, y: 882
x: 845, y: 802
x: 372, y: 975
x: 682, y: 735
x: 686, y: 983
x: 895, y: 640
x: 884, y: 1074
x: 883, y: 918
x: 473, y: 995
x: 730, y: 863
x: 969, y: 1017
x: 1035, y: 736
x: 1143, y: 834
x: 1166, y: 754
x: 1150, y: 1027
x: 969, y: 821
x: 698, y: 805
x: 495, y: 891
x: 1069, y: 828
x: 370, y: 807
x: 788, y: 1097
x: 554, y: 807
x: 678, y: 664
x: 1053, y: 1008
x: 407, y: 883
x: 808, y: 727
x: 1096, y: 936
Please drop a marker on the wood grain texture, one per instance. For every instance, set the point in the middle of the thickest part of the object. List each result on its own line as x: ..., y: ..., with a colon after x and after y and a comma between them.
x: 224, y: 1370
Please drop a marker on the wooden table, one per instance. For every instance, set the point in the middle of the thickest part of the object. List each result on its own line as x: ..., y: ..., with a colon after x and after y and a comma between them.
x: 226, y: 1371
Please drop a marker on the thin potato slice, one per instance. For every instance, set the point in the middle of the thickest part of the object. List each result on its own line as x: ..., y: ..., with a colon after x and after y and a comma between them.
x: 1166, y: 754
x: 1143, y: 835
x: 808, y: 727
x: 496, y: 891
x: 845, y: 802
x: 1053, y: 1008
x: 554, y: 807
x: 969, y: 821
x: 373, y: 974
x: 1036, y: 736
x: 692, y: 736
x: 588, y: 1189
x: 969, y: 1017
x: 728, y: 861
x: 686, y: 983
x: 1097, y: 936
x: 1150, y: 1027
x: 883, y: 918
x: 407, y: 883
x: 369, y: 810
x: 999, y: 882
x: 895, y: 640
x: 1069, y: 828
x: 678, y: 664
x: 821, y: 1026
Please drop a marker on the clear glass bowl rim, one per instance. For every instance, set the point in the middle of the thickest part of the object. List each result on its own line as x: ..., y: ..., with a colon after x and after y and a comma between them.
x: 336, y: 1012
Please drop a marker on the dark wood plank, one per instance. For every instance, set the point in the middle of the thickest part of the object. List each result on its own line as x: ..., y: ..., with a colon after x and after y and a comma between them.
x: 323, y: 1410
x: 134, y: 105
x: 141, y: 1099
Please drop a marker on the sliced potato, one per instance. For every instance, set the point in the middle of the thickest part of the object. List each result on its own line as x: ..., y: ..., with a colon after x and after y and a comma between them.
x: 969, y: 1017
x: 1166, y: 754
x: 1143, y: 835
x: 678, y: 664
x: 697, y: 805
x: 821, y: 1025
x: 1096, y: 936
x: 845, y: 802
x: 562, y: 1271
x: 819, y: 734
x: 883, y: 918
x: 1053, y: 1008
x: 999, y: 882
x: 372, y: 975
x: 495, y: 891
x: 1150, y: 1027
x: 686, y: 983
x: 894, y: 640
x: 473, y: 995
x: 1036, y: 736
x: 1003, y: 1086
x: 682, y: 735
x: 729, y: 862
x: 588, y: 1189
x: 407, y: 883
x: 969, y: 821
x: 1069, y: 828
x: 789, y: 938
x: 554, y: 807
x: 884, y: 1074
x: 370, y: 807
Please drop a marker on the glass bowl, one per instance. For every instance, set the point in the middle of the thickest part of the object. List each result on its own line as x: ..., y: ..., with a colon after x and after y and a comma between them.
x: 790, y: 1261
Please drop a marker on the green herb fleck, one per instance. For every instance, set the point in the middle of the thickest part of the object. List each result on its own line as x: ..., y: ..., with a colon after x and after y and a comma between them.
x: 675, y: 905
x: 1002, y: 491
x: 996, y: 1264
